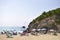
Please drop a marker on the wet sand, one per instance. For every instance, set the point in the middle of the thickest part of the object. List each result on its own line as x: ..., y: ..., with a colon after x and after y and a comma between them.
x: 31, y: 37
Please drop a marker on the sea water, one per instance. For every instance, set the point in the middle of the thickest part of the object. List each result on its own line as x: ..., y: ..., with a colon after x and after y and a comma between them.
x: 12, y: 28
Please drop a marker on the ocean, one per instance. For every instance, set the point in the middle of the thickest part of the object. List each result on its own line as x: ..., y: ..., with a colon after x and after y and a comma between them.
x: 12, y: 28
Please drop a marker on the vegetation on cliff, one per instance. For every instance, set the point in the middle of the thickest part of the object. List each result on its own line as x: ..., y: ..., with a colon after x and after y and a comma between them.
x: 44, y: 15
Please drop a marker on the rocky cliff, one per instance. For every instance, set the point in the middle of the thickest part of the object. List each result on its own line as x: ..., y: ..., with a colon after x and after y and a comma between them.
x: 50, y: 19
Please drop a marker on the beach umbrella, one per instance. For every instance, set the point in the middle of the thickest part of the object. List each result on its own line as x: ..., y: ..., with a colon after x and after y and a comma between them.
x: 33, y: 29
x: 38, y: 29
x: 43, y: 29
x: 52, y: 30
x: 20, y: 31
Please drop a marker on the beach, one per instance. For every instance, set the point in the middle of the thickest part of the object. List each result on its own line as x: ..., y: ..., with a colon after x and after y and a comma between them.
x: 31, y: 37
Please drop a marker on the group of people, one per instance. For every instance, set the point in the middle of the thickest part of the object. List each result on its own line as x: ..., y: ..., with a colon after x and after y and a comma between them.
x: 10, y: 34
x: 42, y: 30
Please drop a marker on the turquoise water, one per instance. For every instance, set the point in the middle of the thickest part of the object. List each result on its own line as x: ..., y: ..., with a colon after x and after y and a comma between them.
x: 12, y: 28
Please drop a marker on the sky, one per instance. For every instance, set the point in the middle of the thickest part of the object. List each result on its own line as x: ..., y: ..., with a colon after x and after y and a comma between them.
x: 22, y: 12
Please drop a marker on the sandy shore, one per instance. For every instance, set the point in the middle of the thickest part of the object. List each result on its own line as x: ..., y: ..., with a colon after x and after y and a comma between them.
x: 31, y: 37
